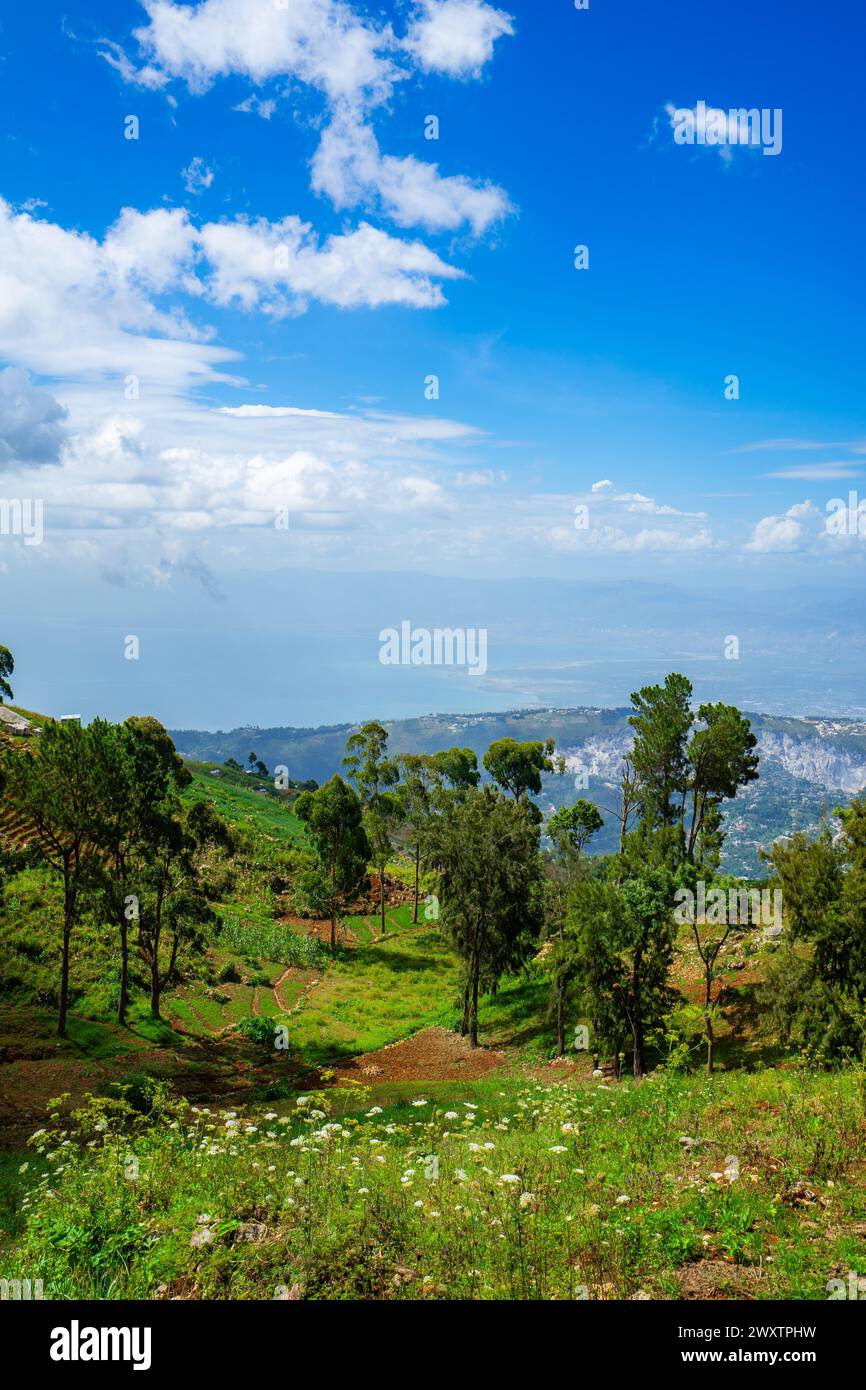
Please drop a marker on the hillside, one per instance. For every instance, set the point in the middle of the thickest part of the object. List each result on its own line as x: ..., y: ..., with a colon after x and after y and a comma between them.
x: 808, y: 766
x: 264, y: 961
x: 745, y: 1185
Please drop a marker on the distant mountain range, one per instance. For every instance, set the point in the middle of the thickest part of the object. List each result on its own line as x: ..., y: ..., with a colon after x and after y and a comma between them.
x: 808, y: 766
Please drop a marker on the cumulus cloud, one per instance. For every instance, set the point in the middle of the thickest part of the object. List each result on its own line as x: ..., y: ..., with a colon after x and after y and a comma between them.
x: 31, y: 421
x: 803, y: 527
x: 323, y: 43
x: 72, y: 305
x: 179, y: 468
x: 354, y: 62
x: 456, y: 36
x: 610, y: 521
x: 350, y: 169
x: 280, y: 266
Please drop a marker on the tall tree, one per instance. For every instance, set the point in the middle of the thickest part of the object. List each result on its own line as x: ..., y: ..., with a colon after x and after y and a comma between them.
x: 176, y: 893
x: 517, y: 768
x: 486, y: 856
x: 431, y: 783
x: 55, y: 797
x: 585, y: 961
x: 682, y: 781
x: 334, y: 820
x: 662, y: 719
x: 721, y: 760
x: 570, y: 829
x: 415, y: 794
x: 823, y: 886
x: 141, y: 777
x: 629, y: 805
x: 457, y: 768
x: 373, y: 773
x: 644, y: 945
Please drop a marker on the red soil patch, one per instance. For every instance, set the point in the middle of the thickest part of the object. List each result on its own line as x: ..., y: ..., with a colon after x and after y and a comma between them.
x: 435, y: 1054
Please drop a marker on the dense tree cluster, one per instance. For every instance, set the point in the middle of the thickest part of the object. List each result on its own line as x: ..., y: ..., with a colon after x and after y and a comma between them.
x: 103, y: 808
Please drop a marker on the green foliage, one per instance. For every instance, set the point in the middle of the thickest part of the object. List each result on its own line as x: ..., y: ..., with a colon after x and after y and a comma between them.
x: 572, y: 827
x: 7, y: 666
x: 819, y: 997
x: 333, y: 817
x: 486, y: 1192
x: 680, y: 782
x: 272, y: 941
x: 517, y: 768
x: 259, y: 1030
x: 485, y: 855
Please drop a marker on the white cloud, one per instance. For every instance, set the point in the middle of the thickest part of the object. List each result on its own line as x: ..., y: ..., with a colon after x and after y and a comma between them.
x: 322, y: 43
x: 197, y: 176
x: 793, y: 444
x: 603, y: 522
x: 264, y: 412
x: 264, y: 107
x: 481, y: 477
x: 73, y: 306
x: 354, y: 61
x: 615, y: 540
x: 456, y: 36
x: 279, y: 266
x: 350, y: 168
x: 31, y: 421
x: 153, y: 251
x: 799, y: 528
x: 819, y: 472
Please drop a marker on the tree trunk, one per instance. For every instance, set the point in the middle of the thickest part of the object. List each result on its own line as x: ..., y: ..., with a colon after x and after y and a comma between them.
x: 124, y: 968
x: 333, y: 931
x: 711, y: 1042
x: 68, y: 916
x: 155, y: 990
x: 417, y: 875
x: 473, y: 1017
x: 638, y: 1057
x: 382, y: 898
x: 560, y: 1022
x: 464, y: 1022
x: 64, y: 979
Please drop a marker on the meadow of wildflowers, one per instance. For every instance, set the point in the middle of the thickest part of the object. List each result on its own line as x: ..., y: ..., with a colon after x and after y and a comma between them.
x: 513, y: 1190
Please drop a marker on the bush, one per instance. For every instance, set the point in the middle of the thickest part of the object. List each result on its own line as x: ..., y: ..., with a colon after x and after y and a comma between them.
x: 259, y: 1030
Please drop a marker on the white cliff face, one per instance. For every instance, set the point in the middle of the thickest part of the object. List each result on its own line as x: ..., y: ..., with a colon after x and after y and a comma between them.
x: 815, y: 760
x: 600, y: 757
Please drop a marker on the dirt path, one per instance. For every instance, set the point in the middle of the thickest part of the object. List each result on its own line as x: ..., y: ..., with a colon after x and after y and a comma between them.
x: 434, y: 1054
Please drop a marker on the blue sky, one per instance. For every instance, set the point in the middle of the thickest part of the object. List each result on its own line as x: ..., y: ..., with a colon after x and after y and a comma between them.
x: 237, y: 312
